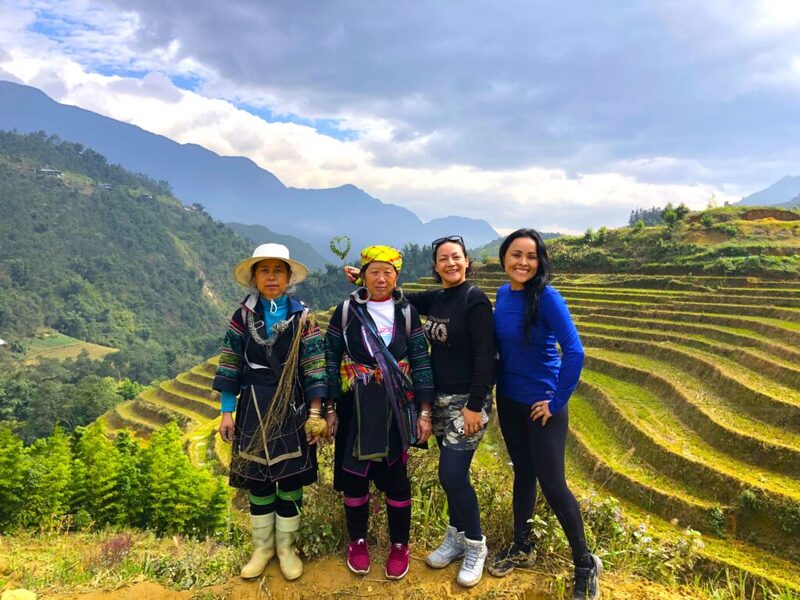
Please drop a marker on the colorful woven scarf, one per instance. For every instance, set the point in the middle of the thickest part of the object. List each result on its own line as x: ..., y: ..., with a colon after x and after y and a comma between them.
x: 385, y: 254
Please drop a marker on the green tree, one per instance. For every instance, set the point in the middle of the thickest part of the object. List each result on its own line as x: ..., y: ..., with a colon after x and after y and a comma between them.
x: 48, y: 407
x: 14, y: 466
x: 672, y: 215
x: 102, y: 465
x: 129, y: 480
x: 177, y: 497
x: 47, y: 493
x: 90, y: 398
x: 144, y: 361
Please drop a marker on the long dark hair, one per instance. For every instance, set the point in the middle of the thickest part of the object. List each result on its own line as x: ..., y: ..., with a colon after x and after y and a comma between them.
x: 534, y: 286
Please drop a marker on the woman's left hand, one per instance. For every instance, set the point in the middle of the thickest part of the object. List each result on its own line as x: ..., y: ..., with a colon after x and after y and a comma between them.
x: 423, y: 429
x: 333, y: 423
x: 316, y: 429
x: 541, y: 410
x: 472, y: 421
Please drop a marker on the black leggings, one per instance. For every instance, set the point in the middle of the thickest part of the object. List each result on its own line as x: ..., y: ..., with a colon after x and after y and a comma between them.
x: 538, y: 455
x: 462, y: 503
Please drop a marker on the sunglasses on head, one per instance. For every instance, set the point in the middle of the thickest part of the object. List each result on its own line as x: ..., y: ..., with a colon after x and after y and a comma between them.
x: 450, y: 238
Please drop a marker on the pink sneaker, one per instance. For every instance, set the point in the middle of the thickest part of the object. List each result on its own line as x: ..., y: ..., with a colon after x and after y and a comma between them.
x: 397, y: 563
x: 358, y: 557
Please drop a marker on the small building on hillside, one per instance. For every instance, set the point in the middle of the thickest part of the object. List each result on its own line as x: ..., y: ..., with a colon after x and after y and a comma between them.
x: 51, y: 173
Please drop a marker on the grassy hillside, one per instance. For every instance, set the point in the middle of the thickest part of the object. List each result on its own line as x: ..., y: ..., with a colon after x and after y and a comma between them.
x: 108, y: 257
x: 724, y: 241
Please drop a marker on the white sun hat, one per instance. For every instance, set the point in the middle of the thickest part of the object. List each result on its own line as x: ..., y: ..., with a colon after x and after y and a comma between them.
x: 243, y: 273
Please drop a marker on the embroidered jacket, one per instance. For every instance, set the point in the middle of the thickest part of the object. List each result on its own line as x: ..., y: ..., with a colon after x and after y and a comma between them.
x: 411, y: 353
x: 229, y: 376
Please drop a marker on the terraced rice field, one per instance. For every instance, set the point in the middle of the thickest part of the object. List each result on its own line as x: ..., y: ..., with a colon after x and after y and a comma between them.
x: 688, y: 410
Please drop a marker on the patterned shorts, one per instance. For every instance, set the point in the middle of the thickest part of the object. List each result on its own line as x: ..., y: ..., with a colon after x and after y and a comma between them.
x: 446, y: 407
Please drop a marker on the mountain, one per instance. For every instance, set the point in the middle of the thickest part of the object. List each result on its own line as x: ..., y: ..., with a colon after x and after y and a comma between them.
x: 232, y: 188
x: 781, y: 192
x: 298, y: 249
x: 793, y: 203
x: 106, y: 256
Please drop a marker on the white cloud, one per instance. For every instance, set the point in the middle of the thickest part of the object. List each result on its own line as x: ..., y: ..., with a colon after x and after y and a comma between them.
x: 600, y: 148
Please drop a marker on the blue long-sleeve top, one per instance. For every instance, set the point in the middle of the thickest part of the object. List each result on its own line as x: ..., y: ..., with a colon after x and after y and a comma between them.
x: 530, y: 369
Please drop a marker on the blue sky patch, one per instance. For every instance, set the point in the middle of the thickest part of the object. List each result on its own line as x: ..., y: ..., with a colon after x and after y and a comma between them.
x: 330, y: 127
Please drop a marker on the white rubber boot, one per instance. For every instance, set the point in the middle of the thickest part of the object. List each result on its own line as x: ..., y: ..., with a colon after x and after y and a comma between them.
x: 263, y: 531
x: 285, y: 536
x: 471, y: 569
x: 451, y: 548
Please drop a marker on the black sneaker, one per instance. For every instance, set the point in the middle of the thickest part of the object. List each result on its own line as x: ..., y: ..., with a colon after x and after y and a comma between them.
x: 586, y: 586
x: 515, y: 556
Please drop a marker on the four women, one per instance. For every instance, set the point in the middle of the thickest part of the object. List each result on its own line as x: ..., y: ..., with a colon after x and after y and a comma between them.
x: 381, y: 400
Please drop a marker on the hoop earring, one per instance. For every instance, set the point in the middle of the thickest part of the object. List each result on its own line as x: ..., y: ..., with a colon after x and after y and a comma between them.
x: 398, y: 296
x: 362, y: 295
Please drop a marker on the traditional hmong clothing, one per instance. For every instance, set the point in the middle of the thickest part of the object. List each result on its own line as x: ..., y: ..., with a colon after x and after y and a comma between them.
x: 378, y: 390
x: 377, y: 406
x: 250, y: 366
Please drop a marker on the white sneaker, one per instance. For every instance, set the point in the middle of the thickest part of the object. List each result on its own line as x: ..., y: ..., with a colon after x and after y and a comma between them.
x: 471, y: 569
x: 451, y: 548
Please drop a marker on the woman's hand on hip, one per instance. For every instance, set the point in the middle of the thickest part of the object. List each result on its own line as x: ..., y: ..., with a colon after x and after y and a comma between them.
x: 226, y: 427
x: 541, y: 410
x: 472, y: 421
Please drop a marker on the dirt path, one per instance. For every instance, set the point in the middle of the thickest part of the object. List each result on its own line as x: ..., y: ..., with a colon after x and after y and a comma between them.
x: 329, y: 579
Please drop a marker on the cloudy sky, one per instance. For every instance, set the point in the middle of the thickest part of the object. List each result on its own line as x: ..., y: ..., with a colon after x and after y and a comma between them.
x: 560, y: 116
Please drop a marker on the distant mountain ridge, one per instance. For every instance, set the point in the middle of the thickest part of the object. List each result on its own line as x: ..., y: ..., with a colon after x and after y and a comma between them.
x: 783, y: 192
x: 233, y: 189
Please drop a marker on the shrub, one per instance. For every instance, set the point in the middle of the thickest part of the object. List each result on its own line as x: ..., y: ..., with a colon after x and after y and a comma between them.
x: 96, y: 482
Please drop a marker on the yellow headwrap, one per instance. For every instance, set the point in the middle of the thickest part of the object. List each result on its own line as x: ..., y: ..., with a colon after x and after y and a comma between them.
x: 385, y: 254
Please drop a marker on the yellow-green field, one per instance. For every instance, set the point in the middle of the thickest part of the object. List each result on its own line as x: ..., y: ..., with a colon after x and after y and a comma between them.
x: 51, y: 344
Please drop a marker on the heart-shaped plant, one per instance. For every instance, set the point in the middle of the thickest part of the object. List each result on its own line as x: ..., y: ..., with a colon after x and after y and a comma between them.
x: 340, y: 246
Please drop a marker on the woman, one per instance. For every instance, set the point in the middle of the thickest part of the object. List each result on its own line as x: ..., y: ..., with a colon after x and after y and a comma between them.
x: 273, y: 359
x: 460, y: 331
x: 379, y: 388
x: 533, y: 387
